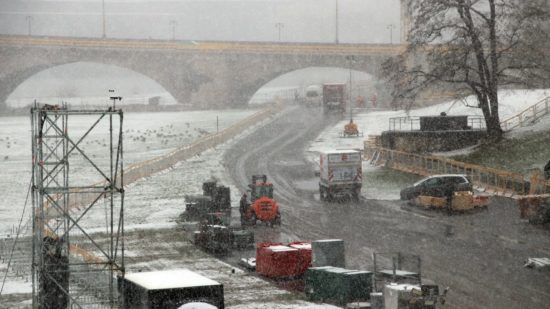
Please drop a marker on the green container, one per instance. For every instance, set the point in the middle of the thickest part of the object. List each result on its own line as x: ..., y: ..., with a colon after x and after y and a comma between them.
x: 358, y: 286
x: 314, y: 282
x: 337, y: 285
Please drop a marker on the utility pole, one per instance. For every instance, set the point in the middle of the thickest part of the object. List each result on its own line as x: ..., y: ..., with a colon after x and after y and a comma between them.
x: 336, y: 23
x: 29, y: 24
x: 173, y: 24
x: 104, y: 34
x: 279, y: 26
x: 350, y: 59
x: 391, y: 27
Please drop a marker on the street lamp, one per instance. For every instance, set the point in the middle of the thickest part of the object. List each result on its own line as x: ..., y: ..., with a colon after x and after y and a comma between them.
x: 173, y: 24
x: 29, y: 21
x: 336, y: 23
x: 350, y: 59
x: 104, y: 34
x: 391, y: 27
x: 279, y: 26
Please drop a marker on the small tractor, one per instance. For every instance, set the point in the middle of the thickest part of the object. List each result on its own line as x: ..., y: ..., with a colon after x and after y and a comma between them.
x: 350, y: 129
x: 261, y: 205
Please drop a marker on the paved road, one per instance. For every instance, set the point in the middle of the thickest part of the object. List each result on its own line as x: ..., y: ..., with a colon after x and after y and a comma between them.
x: 478, y: 255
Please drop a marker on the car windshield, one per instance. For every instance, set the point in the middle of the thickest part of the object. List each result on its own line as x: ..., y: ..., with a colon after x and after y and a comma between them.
x: 421, y: 181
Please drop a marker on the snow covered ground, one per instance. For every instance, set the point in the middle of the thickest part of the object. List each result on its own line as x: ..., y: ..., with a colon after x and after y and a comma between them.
x: 146, y: 135
x: 156, y: 202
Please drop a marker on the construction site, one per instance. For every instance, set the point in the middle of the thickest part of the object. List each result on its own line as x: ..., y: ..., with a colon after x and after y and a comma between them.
x: 280, y: 241
x: 272, y: 154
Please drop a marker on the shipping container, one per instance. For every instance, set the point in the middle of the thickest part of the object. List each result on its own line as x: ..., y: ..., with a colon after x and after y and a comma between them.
x: 275, y: 260
x: 305, y: 256
x: 337, y: 285
x: 168, y: 289
x: 329, y: 252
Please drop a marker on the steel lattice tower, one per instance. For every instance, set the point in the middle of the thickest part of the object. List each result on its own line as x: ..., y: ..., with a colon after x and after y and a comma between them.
x: 74, y: 266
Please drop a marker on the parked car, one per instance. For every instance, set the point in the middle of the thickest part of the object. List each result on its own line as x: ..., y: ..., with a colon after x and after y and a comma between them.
x: 437, y: 185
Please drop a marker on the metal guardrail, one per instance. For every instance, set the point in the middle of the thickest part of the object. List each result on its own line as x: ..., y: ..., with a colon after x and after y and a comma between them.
x: 495, y: 180
x: 527, y: 116
x: 136, y: 171
x: 412, y: 123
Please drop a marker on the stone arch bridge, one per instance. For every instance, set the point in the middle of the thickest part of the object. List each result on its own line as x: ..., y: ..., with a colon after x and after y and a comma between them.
x: 204, y: 74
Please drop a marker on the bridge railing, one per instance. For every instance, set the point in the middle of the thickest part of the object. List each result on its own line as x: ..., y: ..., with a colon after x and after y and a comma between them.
x: 412, y: 123
x: 489, y: 179
x: 136, y: 171
x: 527, y: 116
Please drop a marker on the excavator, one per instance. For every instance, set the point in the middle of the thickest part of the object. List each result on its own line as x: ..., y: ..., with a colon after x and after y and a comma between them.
x: 261, y: 205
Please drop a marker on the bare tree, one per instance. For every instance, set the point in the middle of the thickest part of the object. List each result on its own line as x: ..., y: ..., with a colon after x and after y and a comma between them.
x: 472, y: 47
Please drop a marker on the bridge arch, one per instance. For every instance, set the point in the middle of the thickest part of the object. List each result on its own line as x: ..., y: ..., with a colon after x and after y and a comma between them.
x: 103, y: 77
x: 299, y: 79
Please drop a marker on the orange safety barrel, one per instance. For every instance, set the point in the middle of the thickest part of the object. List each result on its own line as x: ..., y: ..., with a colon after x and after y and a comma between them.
x: 265, y: 209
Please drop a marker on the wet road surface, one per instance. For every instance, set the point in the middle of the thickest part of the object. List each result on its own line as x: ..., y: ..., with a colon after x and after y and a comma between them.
x: 479, y: 255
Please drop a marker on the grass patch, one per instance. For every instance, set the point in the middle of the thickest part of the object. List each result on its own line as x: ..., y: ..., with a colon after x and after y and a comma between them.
x: 517, y: 155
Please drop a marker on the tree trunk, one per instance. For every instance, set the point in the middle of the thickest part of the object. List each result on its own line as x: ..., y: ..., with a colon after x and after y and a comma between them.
x: 494, y: 131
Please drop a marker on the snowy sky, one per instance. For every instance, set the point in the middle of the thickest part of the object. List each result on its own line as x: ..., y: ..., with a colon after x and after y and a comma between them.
x: 243, y: 20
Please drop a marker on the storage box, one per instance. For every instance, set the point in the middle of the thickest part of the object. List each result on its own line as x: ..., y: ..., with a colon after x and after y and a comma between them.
x: 168, y: 289
x: 277, y: 261
x: 431, y: 201
x: 462, y: 200
x: 338, y: 285
x: 358, y: 285
x: 305, y: 255
x: 315, y: 283
x: 397, y: 296
x: 329, y: 252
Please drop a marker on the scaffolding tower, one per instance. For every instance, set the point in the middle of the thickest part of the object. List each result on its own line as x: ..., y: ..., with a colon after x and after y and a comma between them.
x: 75, y: 259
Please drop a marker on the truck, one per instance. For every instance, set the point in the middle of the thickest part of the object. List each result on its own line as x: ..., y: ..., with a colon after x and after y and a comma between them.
x: 334, y: 98
x: 341, y: 174
x: 313, y: 96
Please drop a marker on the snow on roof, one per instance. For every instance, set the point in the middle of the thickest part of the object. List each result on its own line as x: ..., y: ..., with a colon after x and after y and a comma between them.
x: 301, y: 246
x: 328, y: 240
x: 280, y: 248
x: 169, y: 279
x: 402, y: 287
x: 338, y: 151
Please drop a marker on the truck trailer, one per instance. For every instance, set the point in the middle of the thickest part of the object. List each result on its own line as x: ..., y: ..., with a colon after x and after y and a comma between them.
x: 334, y: 98
x: 340, y: 174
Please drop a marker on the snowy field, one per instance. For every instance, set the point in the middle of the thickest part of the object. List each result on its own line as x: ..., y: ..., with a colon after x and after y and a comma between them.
x: 145, y: 136
x: 157, y: 201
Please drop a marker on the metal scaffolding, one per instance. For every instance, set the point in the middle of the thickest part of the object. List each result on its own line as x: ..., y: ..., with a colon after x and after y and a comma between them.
x: 74, y: 265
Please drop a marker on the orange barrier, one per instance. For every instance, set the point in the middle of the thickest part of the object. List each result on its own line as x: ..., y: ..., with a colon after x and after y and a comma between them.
x: 490, y: 179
